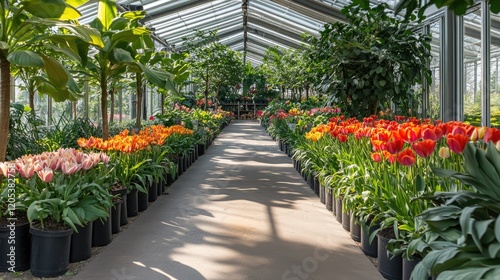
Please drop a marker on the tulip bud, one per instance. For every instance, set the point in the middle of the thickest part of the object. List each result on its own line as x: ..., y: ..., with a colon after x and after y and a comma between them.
x: 474, y: 135
x: 497, y: 145
x: 444, y: 152
x: 481, y: 131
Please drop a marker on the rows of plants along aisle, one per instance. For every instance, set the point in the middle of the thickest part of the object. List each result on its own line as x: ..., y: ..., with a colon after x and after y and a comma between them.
x: 421, y: 195
x: 58, y: 203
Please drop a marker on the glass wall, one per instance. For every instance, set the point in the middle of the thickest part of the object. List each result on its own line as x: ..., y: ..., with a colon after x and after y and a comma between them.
x: 472, y: 67
x: 495, y: 68
x: 434, y: 101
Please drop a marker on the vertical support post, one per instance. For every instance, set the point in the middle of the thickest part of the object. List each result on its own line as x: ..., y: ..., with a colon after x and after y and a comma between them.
x: 451, y: 105
x: 485, y: 62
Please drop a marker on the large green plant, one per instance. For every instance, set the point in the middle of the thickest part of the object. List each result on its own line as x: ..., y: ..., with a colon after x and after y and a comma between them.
x: 23, y: 25
x: 457, y: 6
x: 111, y: 60
x: 371, y: 61
x: 213, y: 64
x: 464, y: 227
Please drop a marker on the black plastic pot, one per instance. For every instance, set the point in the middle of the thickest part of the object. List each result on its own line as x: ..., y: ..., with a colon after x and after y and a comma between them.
x: 170, y: 180
x: 322, y: 193
x: 334, y: 203
x: 346, y: 220
x: 369, y: 248
x: 159, y: 187
x: 338, y: 209
x: 132, y: 203
x: 123, y: 211
x: 328, y: 198
x: 152, y: 191
x: 316, y: 185
x: 201, y: 149
x: 81, y: 243
x: 102, y: 231
x: 355, y: 228
x: 142, y: 200
x: 19, y: 258
x: 49, y: 252
x: 390, y: 267
x: 409, y: 266
x: 116, y: 213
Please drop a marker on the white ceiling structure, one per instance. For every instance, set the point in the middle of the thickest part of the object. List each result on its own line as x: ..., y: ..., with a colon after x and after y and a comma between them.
x: 248, y: 26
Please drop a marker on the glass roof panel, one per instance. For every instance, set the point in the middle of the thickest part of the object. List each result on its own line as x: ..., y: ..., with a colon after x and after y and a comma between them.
x: 270, y: 22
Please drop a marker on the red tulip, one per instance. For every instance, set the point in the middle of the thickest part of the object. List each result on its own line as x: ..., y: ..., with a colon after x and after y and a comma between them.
x: 424, y: 148
x: 491, y: 134
x: 406, y: 157
x: 342, y: 138
x: 395, y: 146
x: 459, y: 130
x: 457, y: 142
x: 433, y: 133
x: 378, y: 145
x: 413, y: 134
x: 46, y: 174
x: 389, y: 157
x: 376, y: 157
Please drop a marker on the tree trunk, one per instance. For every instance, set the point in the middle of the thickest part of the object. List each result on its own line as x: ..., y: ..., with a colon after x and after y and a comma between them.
x: 307, y: 91
x: 104, y: 106
x: 4, y: 106
x: 162, y: 98
x: 112, y: 105
x: 75, y: 115
x: 31, y: 94
x: 138, y: 84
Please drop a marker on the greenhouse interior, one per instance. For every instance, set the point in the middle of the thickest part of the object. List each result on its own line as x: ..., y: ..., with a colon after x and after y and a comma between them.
x: 250, y: 139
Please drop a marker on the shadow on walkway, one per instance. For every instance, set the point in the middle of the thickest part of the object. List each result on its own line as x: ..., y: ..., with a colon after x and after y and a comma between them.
x: 240, y: 212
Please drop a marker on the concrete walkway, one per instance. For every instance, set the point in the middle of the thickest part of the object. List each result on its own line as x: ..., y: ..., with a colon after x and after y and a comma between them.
x: 240, y: 212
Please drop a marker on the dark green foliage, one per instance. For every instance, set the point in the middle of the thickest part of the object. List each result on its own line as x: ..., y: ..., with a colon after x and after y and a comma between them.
x: 371, y: 61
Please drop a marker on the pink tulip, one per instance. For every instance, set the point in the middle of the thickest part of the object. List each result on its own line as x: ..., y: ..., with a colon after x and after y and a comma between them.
x: 87, y: 163
x: 4, y: 169
x: 26, y: 170
x: 46, y: 174
x: 104, y: 158
x: 38, y: 165
x: 54, y: 163
x: 70, y: 167
x: 79, y: 156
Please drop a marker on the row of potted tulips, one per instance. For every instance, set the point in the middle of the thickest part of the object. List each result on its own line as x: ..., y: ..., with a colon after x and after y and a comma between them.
x: 89, y: 194
x: 396, y: 176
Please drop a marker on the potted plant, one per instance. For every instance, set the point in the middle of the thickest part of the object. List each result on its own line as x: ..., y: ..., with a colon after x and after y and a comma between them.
x: 463, y: 227
x: 61, y: 197
x: 14, y: 224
